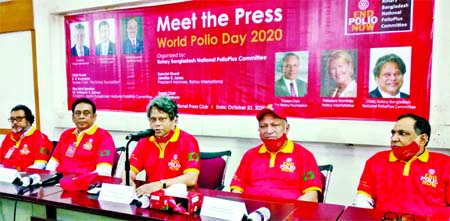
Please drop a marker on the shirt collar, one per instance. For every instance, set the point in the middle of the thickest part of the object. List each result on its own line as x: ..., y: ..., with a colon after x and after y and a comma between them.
x: 26, y: 133
x: 89, y: 131
x: 174, y: 138
x: 386, y: 95
x: 29, y: 131
x: 287, y: 148
x: 288, y: 82
x: 422, y: 157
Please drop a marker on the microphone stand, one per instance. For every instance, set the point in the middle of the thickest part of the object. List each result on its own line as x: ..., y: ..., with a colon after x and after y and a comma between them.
x: 133, y: 137
x: 127, y: 163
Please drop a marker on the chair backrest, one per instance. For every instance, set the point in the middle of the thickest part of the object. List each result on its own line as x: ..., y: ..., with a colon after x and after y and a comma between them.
x: 55, y: 143
x: 325, y: 177
x: 213, y: 169
x: 117, y: 155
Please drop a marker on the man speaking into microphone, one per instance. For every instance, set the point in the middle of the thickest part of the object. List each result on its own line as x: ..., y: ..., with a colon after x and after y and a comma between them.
x: 169, y: 156
x: 141, y: 134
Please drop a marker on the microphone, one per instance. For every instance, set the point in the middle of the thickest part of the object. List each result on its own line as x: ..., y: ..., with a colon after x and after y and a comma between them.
x: 261, y: 214
x: 118, y: 149
x: 140, y: 134
x: 49, y: 181
x: 141, y: 202
x: 28, y: 180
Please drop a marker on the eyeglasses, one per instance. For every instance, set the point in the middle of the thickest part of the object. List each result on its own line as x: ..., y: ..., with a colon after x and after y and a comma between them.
x: 389, y: 215
x: 18, y: 119
x: 79, y: 113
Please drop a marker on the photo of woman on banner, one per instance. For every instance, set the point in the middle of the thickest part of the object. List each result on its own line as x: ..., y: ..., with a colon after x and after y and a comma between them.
x: 132, y: 42
x: 103, y: 39
x: 291, y: 74
x: 390, y: 72
x: 338, y: 73
x: 78, y: 39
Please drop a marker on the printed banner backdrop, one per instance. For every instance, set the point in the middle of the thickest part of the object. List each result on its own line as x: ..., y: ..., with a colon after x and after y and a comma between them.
x: 340, y: 59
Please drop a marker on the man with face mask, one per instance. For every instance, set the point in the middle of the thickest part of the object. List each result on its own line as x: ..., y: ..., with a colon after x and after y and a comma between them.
x: 24, y: 146
x: 278, y: 167
x: 408, y: 178
x: 170, y: 156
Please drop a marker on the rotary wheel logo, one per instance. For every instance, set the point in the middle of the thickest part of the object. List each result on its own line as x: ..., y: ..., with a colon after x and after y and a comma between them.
x: 363, y: 4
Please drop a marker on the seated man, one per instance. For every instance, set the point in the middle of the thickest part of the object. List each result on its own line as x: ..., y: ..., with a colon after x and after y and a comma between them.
x: 408, y: 178
x: 278, y: 167
x: 24, y: 146
x: 170, y: 156
x: 85, y: 148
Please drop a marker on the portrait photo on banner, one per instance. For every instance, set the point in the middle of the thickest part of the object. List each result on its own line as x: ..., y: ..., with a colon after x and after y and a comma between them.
x: 132, y: 35
x: 339, y: 73
x: 79, y: 39
x: 390, y: 72
x: 291, y: 74
x: 105, y: 37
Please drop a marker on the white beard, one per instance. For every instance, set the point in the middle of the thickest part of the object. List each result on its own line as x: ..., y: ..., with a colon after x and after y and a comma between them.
x: 18, y: 131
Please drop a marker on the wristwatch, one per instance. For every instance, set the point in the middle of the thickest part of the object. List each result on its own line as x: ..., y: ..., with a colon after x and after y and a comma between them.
x: 163, y: 183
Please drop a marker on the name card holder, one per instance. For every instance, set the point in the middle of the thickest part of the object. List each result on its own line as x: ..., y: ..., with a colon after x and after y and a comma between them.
x: 8, y: 175
x: 117, y: 193
x: 223, y: 209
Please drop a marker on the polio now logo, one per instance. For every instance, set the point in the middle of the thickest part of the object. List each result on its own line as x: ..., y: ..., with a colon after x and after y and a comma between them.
x: 362, y: 19
x: 430, y: 179
x: 288, y: 166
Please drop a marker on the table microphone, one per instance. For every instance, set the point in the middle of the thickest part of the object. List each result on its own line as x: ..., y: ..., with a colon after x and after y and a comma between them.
x: 261, y: 214
x: 141, y: 202
x: 28, y: 180
x: 49, y: 181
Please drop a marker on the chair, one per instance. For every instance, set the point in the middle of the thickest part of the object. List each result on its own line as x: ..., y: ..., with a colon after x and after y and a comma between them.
x: 55, y: 143
x: 325, y: 176
x: 213, y: 169
x: 117, y: 155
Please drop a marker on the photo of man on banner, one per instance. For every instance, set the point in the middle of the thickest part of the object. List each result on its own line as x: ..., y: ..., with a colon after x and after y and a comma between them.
x: 79, y: 39
x: 291, y: 74
x: 105, y: 37
x: 132, y: 32
x: 390, y: 72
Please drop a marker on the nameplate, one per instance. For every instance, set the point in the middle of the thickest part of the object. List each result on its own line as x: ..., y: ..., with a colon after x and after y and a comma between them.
x: 8, y: 175
x: 116, y: 193
x: 223, y: 209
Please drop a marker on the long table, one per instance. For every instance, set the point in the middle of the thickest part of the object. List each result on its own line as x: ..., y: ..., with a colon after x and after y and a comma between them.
x: 354, y: 213
x: 27, y: 204
x: 53, y: 203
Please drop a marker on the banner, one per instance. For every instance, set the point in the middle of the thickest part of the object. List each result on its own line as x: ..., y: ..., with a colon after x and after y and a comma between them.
x: 340, y: 59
